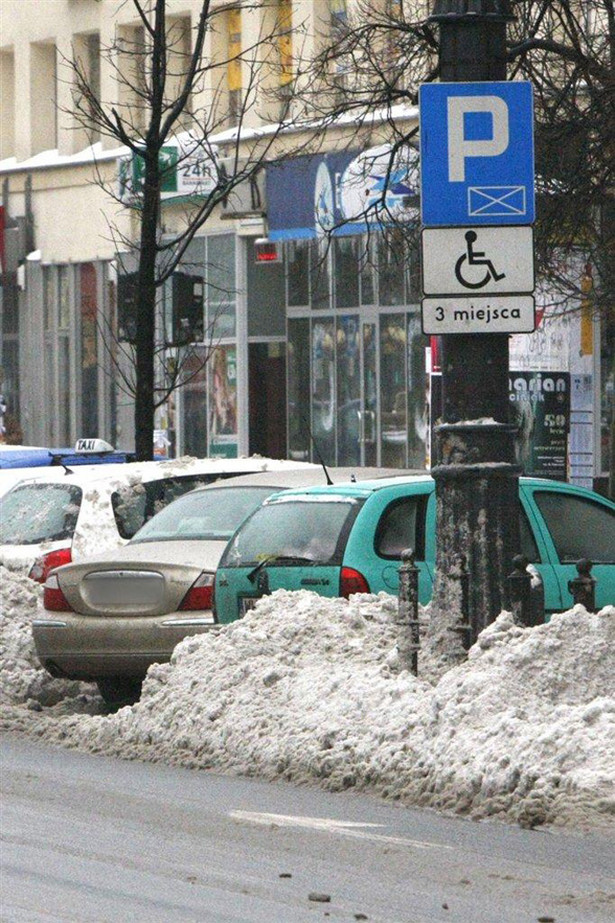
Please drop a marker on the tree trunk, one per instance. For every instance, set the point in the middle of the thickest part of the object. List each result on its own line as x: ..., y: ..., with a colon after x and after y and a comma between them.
x: 146, y: 311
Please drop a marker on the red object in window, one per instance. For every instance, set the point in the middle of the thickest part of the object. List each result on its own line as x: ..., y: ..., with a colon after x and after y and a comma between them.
x: 54, y: 599
x: 352, y: 581
x: 43, y: 565
x: 200, y: 594
x: 266, y: 251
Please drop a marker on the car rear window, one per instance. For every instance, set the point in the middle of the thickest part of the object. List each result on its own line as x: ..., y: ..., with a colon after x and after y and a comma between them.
x: 34, y: 513
x: 135, y: 504
x: 212, y: 514
x: 312, y: 528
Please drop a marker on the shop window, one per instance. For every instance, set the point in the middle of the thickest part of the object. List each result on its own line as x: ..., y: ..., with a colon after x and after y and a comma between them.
x: 323, y: 388
x: 392, y: 263
x: 89, y: 350
x: 187, y: 307
x: 127, y: 307
x: 63, y: 298
x: 220, y: 291
x: 320, y: 264
x: 368, y: 259
x: 48, y: 297
x: 346, y: 273
x: 297, y: 263
x: 393, y: 391
x: 222, y: 367
x: 298, y: 389
x: 266, y: 296
x: 348, y: 353
x: 194, y: 405
x: 64, y: 391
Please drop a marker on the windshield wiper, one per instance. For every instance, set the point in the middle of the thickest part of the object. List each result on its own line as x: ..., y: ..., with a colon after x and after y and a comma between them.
x: 277, y: 559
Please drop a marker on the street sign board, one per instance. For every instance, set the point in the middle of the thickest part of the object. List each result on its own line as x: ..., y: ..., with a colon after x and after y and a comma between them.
x: 477, y: 153
x: 482, y: 314
x: 478, y: 260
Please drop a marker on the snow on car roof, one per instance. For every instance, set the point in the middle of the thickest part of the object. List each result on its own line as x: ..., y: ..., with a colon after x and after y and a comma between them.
x: 85, y: 475
x: 312, y: 475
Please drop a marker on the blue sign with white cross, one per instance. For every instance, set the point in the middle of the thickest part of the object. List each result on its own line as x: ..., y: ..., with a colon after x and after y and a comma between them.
x: 477, y: 153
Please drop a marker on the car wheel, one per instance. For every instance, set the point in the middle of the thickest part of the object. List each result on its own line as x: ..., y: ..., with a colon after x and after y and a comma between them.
x: 119, y: 690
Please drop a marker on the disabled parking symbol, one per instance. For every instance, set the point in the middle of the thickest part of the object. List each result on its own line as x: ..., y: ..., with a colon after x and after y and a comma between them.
x: 463, y: 271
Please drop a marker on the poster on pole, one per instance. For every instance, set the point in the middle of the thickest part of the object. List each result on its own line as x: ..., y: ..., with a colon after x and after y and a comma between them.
x: 540, y: 403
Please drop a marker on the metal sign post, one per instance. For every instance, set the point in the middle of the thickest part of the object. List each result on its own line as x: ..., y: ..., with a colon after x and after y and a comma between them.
x: 477, y: 199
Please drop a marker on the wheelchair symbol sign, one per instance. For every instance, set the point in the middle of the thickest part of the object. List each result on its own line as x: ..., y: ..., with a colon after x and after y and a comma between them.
x: 473, y: 258
x: 482, y: 261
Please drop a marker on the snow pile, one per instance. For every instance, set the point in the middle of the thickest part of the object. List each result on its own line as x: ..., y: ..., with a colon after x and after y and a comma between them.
x: 22, y: 679
x: 309, y: 690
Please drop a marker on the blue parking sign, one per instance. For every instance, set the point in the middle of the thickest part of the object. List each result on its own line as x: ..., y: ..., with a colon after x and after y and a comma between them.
x: 477, y: 153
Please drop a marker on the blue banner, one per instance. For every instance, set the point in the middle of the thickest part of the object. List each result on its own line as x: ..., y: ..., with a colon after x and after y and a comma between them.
x: 341, y: 193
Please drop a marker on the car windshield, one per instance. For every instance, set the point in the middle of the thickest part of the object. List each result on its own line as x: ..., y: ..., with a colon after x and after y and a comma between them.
x: 34, y: 513
x: 312, y: 528
x: 209, y: 514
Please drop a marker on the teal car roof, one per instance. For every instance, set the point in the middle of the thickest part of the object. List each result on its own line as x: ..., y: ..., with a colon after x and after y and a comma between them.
x: 363, y: 489
x: 358, y: 490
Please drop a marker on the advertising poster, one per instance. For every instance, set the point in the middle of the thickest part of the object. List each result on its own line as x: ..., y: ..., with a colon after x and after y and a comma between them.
x: 223, y: 403
x: 540, y: 405
x: 541, y: 409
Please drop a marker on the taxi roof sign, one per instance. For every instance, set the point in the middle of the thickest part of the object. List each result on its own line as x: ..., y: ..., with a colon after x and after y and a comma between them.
x: 93, y: 445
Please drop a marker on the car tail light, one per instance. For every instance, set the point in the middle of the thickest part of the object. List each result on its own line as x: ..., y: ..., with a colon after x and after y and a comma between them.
x: 352, y: 581
x: 41, y: 567
x: 54, y: 599
x: 200, y: 594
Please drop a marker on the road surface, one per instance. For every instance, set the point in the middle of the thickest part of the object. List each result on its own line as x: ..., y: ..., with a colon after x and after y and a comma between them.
x: 90, y: 839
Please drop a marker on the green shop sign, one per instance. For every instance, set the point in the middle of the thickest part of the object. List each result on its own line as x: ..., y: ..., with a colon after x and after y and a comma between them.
x: 187, y: 171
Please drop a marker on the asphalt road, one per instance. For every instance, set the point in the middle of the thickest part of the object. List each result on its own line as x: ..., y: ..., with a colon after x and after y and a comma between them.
x: 87, y: 838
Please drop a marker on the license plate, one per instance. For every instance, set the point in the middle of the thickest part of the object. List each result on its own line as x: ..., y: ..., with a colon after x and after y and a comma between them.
x: 246, y: 603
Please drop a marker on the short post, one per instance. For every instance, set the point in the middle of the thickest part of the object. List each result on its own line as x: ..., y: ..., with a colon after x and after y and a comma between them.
x: 583, y: 587
x: 519, y: 585
x: 408, y: 634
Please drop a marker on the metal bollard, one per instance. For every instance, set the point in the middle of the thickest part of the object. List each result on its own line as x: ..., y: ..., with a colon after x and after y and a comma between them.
x: 408, y: 633
x: 583, y: 587
x: 519, y: 588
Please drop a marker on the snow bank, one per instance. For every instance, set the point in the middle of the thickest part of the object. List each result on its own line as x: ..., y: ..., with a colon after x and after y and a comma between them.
x: 309, y: 690
x: 22, y: 679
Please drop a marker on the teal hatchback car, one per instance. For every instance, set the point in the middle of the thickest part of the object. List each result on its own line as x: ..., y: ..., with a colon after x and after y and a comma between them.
x: 348, y: 538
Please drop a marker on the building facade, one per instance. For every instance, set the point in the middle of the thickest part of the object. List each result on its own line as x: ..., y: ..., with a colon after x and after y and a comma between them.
x: 318, y: 352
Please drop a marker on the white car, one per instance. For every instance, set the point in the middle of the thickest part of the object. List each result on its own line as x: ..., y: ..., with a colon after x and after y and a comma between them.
x: 53, y: 518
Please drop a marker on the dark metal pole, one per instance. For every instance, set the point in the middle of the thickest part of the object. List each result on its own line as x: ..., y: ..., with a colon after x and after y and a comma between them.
x: 476, y: 475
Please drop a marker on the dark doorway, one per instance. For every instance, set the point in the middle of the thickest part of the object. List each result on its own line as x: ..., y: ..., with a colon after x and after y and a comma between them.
x: 267, y: 399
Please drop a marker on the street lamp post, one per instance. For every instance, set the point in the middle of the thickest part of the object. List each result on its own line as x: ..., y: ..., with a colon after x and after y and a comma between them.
x: 475, y: 472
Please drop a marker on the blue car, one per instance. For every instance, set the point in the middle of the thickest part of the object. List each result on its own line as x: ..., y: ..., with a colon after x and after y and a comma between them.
x: 348, y: 538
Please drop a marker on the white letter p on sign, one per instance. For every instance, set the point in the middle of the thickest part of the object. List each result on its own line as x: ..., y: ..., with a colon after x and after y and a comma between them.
x: 460, y: 148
